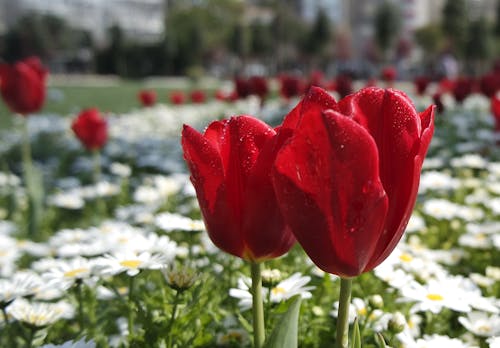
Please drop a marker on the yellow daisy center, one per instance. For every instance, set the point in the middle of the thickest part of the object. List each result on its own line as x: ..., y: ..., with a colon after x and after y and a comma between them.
x: 131, y: 263
x: 435, y: 297
x: 406, y: 257
x: 75, y: 272
x: 278, y: 290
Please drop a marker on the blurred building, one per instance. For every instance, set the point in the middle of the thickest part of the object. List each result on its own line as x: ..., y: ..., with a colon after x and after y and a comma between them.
x: 139, y: 19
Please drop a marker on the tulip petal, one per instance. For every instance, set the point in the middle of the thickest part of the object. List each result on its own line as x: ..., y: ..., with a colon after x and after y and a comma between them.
x: 393, y: 122
x: 266, y: 234
x: 204, y: 163
x: 327, y: 182
x: 316, y: 99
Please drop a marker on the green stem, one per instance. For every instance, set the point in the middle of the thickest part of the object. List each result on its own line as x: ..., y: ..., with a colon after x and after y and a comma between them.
x: 172, y: 318
x: 79, y: 297
x: 257, y: 306
x: 131, y: 307
x: 29, y: 343
x: 28, y: 179
x: 96, y: 154
x: 7, y: 326
x: 343, y: 313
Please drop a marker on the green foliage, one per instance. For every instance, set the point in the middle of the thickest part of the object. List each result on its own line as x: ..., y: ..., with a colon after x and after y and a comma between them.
x: 44, y: 36
x: 429, y: 38
x: 478, y: 40
x: 455, y: 23
x: 319, y: 35
x: 284, y: 334
x: 387, y: 24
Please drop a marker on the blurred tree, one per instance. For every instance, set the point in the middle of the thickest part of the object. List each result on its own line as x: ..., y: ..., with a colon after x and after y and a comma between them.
x: 288, y: 31
x: 430, y: 39
x: 319, y: 35
x: 195, y: 30
x: 240, y: 40
x: 497, y: 21
x: 261, y: 40
x: 387, y: 25
x: 110, y: 59
x: 49, y: 37
x: 455, y: 24
x: 479, y: 45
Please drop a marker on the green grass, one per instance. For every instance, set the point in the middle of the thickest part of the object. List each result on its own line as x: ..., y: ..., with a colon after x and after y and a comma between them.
x: 68, y: 99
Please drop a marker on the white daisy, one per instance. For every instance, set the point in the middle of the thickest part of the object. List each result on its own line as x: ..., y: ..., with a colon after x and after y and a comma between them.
x: 170, y: 222
x: 37, y: 314
x: 129, y: 262
x: 287, y: 288
x: 66, y: 273
x: 434, y: 296
x: 481, y: 324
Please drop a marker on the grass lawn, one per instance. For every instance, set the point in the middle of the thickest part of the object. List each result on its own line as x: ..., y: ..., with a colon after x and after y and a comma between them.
x: 69, y: 96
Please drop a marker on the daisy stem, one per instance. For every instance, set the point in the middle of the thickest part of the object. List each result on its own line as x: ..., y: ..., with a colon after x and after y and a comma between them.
x: 31, y: 336
x: 131, y: 307
x: 7, y: 326
x: 80, y: 303
x: 172, y: 318
x: 257, y: 305
x: 343, y: 313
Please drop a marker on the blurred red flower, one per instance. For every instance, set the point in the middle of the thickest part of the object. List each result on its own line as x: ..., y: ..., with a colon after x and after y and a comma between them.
x: 22, y: 85
x: 147, y: 97
x: 91, y: 129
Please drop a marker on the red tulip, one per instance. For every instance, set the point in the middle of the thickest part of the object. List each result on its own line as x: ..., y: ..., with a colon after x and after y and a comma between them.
x: 23, y: 85
x: 291, y: 86
x: 347, y: 178
x: 489, y: 84
x: 438, y: 102
x: 147, y: 97
x: 462, y: 88
x: 91, y: 129
x: 177, y: 98
x: 258, y: 86
x: 230, y: 168
x: 495, y: 110
x: 344, y: 85
x: 389, y: 74
x: 241, y: 87
x: 198, y: 96
x: 421, y: 83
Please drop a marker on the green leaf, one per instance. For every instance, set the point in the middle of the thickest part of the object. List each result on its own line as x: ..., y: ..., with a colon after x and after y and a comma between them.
x: 284, y: 334
x: 379, y: 339
x: 356, y: 335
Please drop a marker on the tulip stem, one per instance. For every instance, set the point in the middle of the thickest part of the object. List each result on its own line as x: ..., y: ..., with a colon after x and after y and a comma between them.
x: 257, y: 306
x: 97, y: 165
x: 343, y: 313
x: 31, y: 181
x: 101, y: 209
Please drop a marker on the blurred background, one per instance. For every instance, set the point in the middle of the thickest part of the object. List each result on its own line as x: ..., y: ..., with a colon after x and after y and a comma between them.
x: 222, y: 38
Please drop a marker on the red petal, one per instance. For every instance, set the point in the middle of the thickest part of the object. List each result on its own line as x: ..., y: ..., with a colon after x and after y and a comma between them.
x: 393, y: 122
x: 316, y: 99
x: 326, y: 180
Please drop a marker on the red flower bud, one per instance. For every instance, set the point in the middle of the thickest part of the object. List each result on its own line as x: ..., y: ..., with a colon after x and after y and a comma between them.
x: 91, y: 129
x: 177, y: 98
x: 347, y: 178
x: 230, y: 167
x: 23, y: 85
x: 198, y: 96
x: 147, y: 97
x: 495, y: 110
